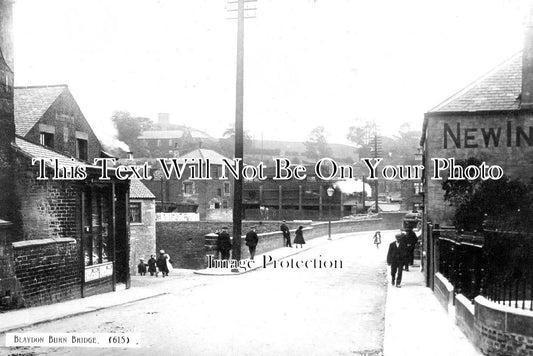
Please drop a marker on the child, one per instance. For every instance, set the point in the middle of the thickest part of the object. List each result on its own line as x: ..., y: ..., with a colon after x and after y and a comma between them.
x: 141, y: 267
x: 151, y: 266
x: 377, y: 238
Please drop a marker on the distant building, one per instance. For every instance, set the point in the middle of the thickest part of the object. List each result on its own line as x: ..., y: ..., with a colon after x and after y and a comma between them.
x: 211, y: 199
x: 169, y: 140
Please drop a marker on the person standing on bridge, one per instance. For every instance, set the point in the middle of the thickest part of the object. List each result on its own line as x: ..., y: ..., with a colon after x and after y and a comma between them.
x: 299, y: 237
x: 286, y: 234
x: 224, y: 243
x: 396, y: 257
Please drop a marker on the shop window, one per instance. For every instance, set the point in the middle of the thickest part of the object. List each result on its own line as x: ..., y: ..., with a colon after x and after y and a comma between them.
x: 47, y: 139
x: 135, y: 212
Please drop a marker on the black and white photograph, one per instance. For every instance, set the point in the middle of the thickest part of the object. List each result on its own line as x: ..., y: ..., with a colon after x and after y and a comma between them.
x: 266, y: 177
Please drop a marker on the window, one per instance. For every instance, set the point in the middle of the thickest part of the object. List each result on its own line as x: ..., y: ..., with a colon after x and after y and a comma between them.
x: 47, y: 139
x: 188, y: 187
x: 224, y: 204
x: 158, y: 143
x: 135, y: 213
x: 227, y: 190
x: 217, y: 205
x: 215, y: 172
x: 81, y: 149
x: 219, y: 192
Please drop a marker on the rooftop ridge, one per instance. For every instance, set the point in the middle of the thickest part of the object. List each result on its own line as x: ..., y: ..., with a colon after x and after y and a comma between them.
x: 41, y: 86
x: 476, y: 82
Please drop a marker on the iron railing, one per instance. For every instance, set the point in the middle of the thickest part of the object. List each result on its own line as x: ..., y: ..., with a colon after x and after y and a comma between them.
x: 495, y: 264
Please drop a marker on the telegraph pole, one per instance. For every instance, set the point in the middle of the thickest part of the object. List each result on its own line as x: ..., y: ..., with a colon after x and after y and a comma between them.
x: 239, y: 132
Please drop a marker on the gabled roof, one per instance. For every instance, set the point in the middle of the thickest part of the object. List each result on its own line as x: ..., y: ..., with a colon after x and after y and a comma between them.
x: 497, y: 90
x: 31, y: 103
x: 213, y: 156
x: 139, y: 191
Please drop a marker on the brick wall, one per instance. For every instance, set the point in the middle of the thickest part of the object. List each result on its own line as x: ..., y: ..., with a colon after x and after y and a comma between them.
x: 49, y: 207
x: 48, y: 270
x: 142, y: 235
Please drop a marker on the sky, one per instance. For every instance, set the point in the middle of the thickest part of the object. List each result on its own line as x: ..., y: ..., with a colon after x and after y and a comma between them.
x: 308, y: 63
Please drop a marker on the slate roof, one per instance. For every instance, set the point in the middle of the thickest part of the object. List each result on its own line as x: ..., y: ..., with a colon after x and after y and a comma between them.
x: 139, y: 191
x: 31, y: 103
x: 499, y: 89
x: 169, y: 134
x: 214, y: 157
x: 37, y: 151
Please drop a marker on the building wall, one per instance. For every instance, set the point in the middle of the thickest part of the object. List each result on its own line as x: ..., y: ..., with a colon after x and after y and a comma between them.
x: 66, y: 117
x: 514, y: 154
x: 49, y: 207
x: 205, y: 192
x: 142, y: 235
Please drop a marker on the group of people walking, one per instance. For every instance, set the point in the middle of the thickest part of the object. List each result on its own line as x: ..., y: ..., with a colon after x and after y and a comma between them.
x: 224, y: 242
x: 400, y: 255
x: 298, y: 238
x: 162, y: 264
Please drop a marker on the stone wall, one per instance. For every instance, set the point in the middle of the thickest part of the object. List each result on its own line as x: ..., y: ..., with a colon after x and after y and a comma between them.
x: 142, y: 235
x: 502, y: 330
x: 185, y: 242
x: 496, y: 329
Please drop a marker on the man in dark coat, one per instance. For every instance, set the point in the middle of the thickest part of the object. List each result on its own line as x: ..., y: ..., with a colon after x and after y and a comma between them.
x: 224, y: 243
x: 396, y: 259
x: 251, y: 241
x: 410, y: 242
x: 286, y: 234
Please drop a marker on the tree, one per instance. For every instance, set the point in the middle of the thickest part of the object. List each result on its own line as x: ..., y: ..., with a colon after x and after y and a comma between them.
x: 227, y: 142
x: 502, y: 204
x: 129, y: 128
x: 317, y: 146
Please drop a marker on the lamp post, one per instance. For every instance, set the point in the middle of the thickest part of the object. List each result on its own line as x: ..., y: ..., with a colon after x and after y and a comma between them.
x: 330, y: 191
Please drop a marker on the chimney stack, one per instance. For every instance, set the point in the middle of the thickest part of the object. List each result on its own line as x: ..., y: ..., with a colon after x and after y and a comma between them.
x: 163, y: 120
x: 527, y: 65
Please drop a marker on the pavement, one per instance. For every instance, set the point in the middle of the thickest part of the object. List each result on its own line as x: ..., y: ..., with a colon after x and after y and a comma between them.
x: 415, y: 322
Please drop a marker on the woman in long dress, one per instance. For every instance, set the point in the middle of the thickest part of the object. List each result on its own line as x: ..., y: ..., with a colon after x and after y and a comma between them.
x: 299, y: 237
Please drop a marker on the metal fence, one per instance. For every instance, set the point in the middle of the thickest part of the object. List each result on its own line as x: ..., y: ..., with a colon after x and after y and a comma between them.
x: 497, y: 265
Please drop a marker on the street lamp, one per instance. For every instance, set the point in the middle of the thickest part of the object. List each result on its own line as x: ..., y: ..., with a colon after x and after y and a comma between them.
x: 330, y: 191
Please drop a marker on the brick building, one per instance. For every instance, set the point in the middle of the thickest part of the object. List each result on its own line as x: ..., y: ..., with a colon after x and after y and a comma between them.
x: 169, y: 140
x: 211, y: 199
x: 142, y: 224
x: 491, y: 120
x: 59, y: 239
